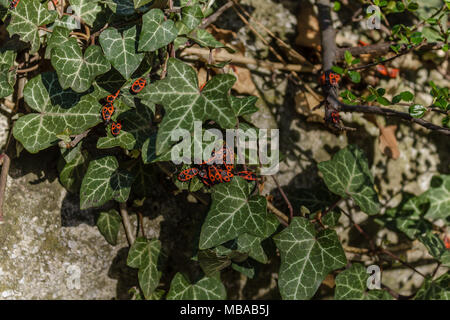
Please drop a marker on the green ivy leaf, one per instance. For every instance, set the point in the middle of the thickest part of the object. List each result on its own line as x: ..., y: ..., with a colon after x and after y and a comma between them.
x: 149, y: 150
x: 75, y: 70
x: 233, y: 212
x: 7, y: 80
x: 25, y: 20
x: 212, y: 262
x: 351, y: 284
x: 436, y: 247
x: 246, y: 268
x: 140, y: 3
x: 439, y: 197
x: 438, y: 289
x: 417, y: 111
x: 205, y: 39
x: 348, y: 175
x: 58, y: 37
x: 244, y: 106
x: 120, y: 50
x: 184, y: 103
x: 306, y: 258
x: 136, y: 128
x: 146, y: 256
x: 156, y: 33
x: 73, y: 171
x: 191, y: 16
x: 103, y: 182
x: 204, y: 289
x: 87, y: 10
x: 58, y: 110
x: 108, y: 224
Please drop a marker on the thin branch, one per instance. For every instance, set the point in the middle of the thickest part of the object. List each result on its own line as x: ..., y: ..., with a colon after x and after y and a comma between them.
x: 75, y: 141
x: 291, y: 51
x: 236, y: 59
x: 392, y: 255
x: 331, y: 101
x: 291, y: 209
x: 389, y: 113
x: 126, y: 223
x: 380, y: 49
x: 6, y: 161
x: 141, y: 223
x: 284, y: 220
x: 212, y: 18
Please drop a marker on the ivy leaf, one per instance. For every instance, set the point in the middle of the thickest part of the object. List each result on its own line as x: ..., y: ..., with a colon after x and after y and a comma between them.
x: 244, y: 106
x: 73, y: 171
x: 145, y: 180
x: 103, y: 182
x: 136, y: 128
x: 25, y: 20
x: 146, y: 256
x: 75, y: 70
x: 156, y: 33
x: 439, y: 197
x: 438, y: 289
x: 233, y: 212
x: 108, y: 224
x: 7, y: 58
x: 184, y: 103
x: 252, y: 245
x: 204, y: 289
x: 149, y: 150
x: 58, y: 110
x: 306, y: 258
x: 436, y: 248
x: 59, y: 36
x: 140, y: 3
x: 87, y: 10
x: 348, y: 175
x: 246, y: 268
x: 351, y: 284
x: 7, y: 80
x: 191, y: 16
x: 120, y: 50
x: 212, y: 262
x: 205, y: 39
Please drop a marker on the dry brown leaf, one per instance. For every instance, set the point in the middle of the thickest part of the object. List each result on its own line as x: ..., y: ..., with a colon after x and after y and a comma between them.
x: 244, y: 82
x: 305, y: 103
x: 388, y: 141
x: 202, y: 74
x: 329, y: 281
x: 308, y: 31
x: 222, y: 35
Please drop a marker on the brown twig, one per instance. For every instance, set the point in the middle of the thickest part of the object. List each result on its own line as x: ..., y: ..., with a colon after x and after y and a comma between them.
x: 280, y: 42
x: 35, y: 67
x: 331, y: 101
x: 212, y: 18
x: 141, y: 223
x: 220, y: 55
x: 75, y: 141
x: 126, y: 223
x: 284, y: 220
x: 291, y: 209
x: 389, y: 113
x: 5, y: 161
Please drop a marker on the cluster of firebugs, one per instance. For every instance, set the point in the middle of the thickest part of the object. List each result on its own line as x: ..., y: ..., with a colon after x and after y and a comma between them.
x: 108, y: 109
x: 218, y: 169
